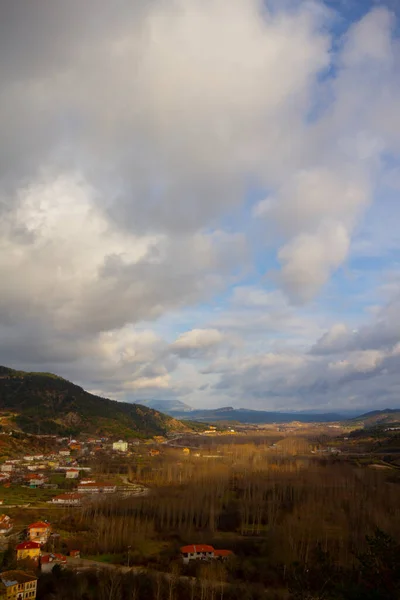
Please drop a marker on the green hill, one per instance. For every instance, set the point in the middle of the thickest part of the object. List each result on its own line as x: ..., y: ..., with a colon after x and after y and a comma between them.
x: 43, y: 403
x: 388, y: 416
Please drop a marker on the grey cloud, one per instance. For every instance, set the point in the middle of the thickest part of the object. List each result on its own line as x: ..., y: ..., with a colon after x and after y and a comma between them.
x: 198, y: 343
x: 383, y: 333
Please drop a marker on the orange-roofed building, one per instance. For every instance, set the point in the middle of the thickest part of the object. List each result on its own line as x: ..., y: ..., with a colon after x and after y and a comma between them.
x: 197, y: 552
x: 223, y: 554
x: 71, y: 499
x: 48, y: 561
x: 39, y: 531
x: 28, y: 550
x: 6, y: 524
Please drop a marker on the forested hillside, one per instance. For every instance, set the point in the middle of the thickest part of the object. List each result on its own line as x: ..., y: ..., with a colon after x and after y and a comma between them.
x: 45, y: 403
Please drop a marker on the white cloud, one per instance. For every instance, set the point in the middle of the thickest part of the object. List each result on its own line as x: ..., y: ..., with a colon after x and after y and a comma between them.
x: 197, y: 342
x: 309, y: 259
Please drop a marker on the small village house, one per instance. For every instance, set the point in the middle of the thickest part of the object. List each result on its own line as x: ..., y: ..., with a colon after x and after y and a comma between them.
x: 75, y: 554
x: 18, y: 585
x: 186, y: 451
x: 72, y: 473
x: 35, y: 480
x: 29, y: 550
x: 6, y: 524
x: 197, y: 552
x: 39, y: 531
x: 6, y: 468
x: 48, y: 562
x: 203, y: 552
x: 120, y: 446
x: 223, y: 555
x: 68, y: 499
x: 75, y: 446
x: 96, y: 488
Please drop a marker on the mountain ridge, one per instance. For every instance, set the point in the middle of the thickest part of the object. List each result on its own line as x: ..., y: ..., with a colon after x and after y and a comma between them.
x: 253, y: 416
x: 378, y: 417
x: 47, y: 403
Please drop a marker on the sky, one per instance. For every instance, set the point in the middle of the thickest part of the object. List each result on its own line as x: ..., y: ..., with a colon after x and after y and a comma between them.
x: 199, y: 199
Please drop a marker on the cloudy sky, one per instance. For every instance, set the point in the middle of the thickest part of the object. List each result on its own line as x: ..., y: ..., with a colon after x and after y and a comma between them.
x: 199, y: 199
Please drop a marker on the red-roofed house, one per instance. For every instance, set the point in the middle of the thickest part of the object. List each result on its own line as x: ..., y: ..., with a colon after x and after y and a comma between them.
x: 68, y: 499
x: 39, y: 531
x: 222, y: 554
x: 72, y: 473
x: 96, y: 488
x: 197, y: 552
x: 35, y: 480
x: 48, y: 561
x: 28, y: 550
x: 6, y: 524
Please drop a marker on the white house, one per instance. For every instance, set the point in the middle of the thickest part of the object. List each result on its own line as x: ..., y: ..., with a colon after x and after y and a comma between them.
x: 68, y: 499
x: 120, y: 446
x: 6, y: 468
x: 96, y: 488
x: 72, y: 473
x: 197, y: 552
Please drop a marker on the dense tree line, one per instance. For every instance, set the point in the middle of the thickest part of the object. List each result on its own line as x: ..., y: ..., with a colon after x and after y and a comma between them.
x: 374, y: 576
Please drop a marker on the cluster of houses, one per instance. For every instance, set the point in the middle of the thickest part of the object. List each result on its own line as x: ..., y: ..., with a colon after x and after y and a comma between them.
x: 85, y: 488
x: 38, y: 534
x: 21, y: 584
x: 31, y: 469
x: 203, y: 552
x: 35, y: 470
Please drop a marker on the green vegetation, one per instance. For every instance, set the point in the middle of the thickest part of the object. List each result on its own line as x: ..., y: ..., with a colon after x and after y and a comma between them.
x: 43, y: 403
x: 116, y: 559
x: 17, y: 494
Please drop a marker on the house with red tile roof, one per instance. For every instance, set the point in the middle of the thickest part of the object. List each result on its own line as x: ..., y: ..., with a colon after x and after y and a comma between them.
x: 28, y: 550
x: 203, y: 552
x: 6, y: 524
x: 196, y: 552
x: 72, y: 499
x: 223, y: 554
x: 39, y: 531
x: 48, y: 561
x: 96, y: 488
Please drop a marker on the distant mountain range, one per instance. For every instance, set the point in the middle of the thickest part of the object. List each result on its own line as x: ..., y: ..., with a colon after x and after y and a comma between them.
x: 46, y: 404
x: 182, y: 411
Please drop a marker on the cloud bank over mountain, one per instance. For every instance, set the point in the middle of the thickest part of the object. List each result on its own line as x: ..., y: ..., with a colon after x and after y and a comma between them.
x: 198, y: 199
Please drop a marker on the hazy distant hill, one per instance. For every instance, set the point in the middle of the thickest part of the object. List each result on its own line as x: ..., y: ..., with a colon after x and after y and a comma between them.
x: 378, y: 417
x: 167, y: 406
x: 46, y: 403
